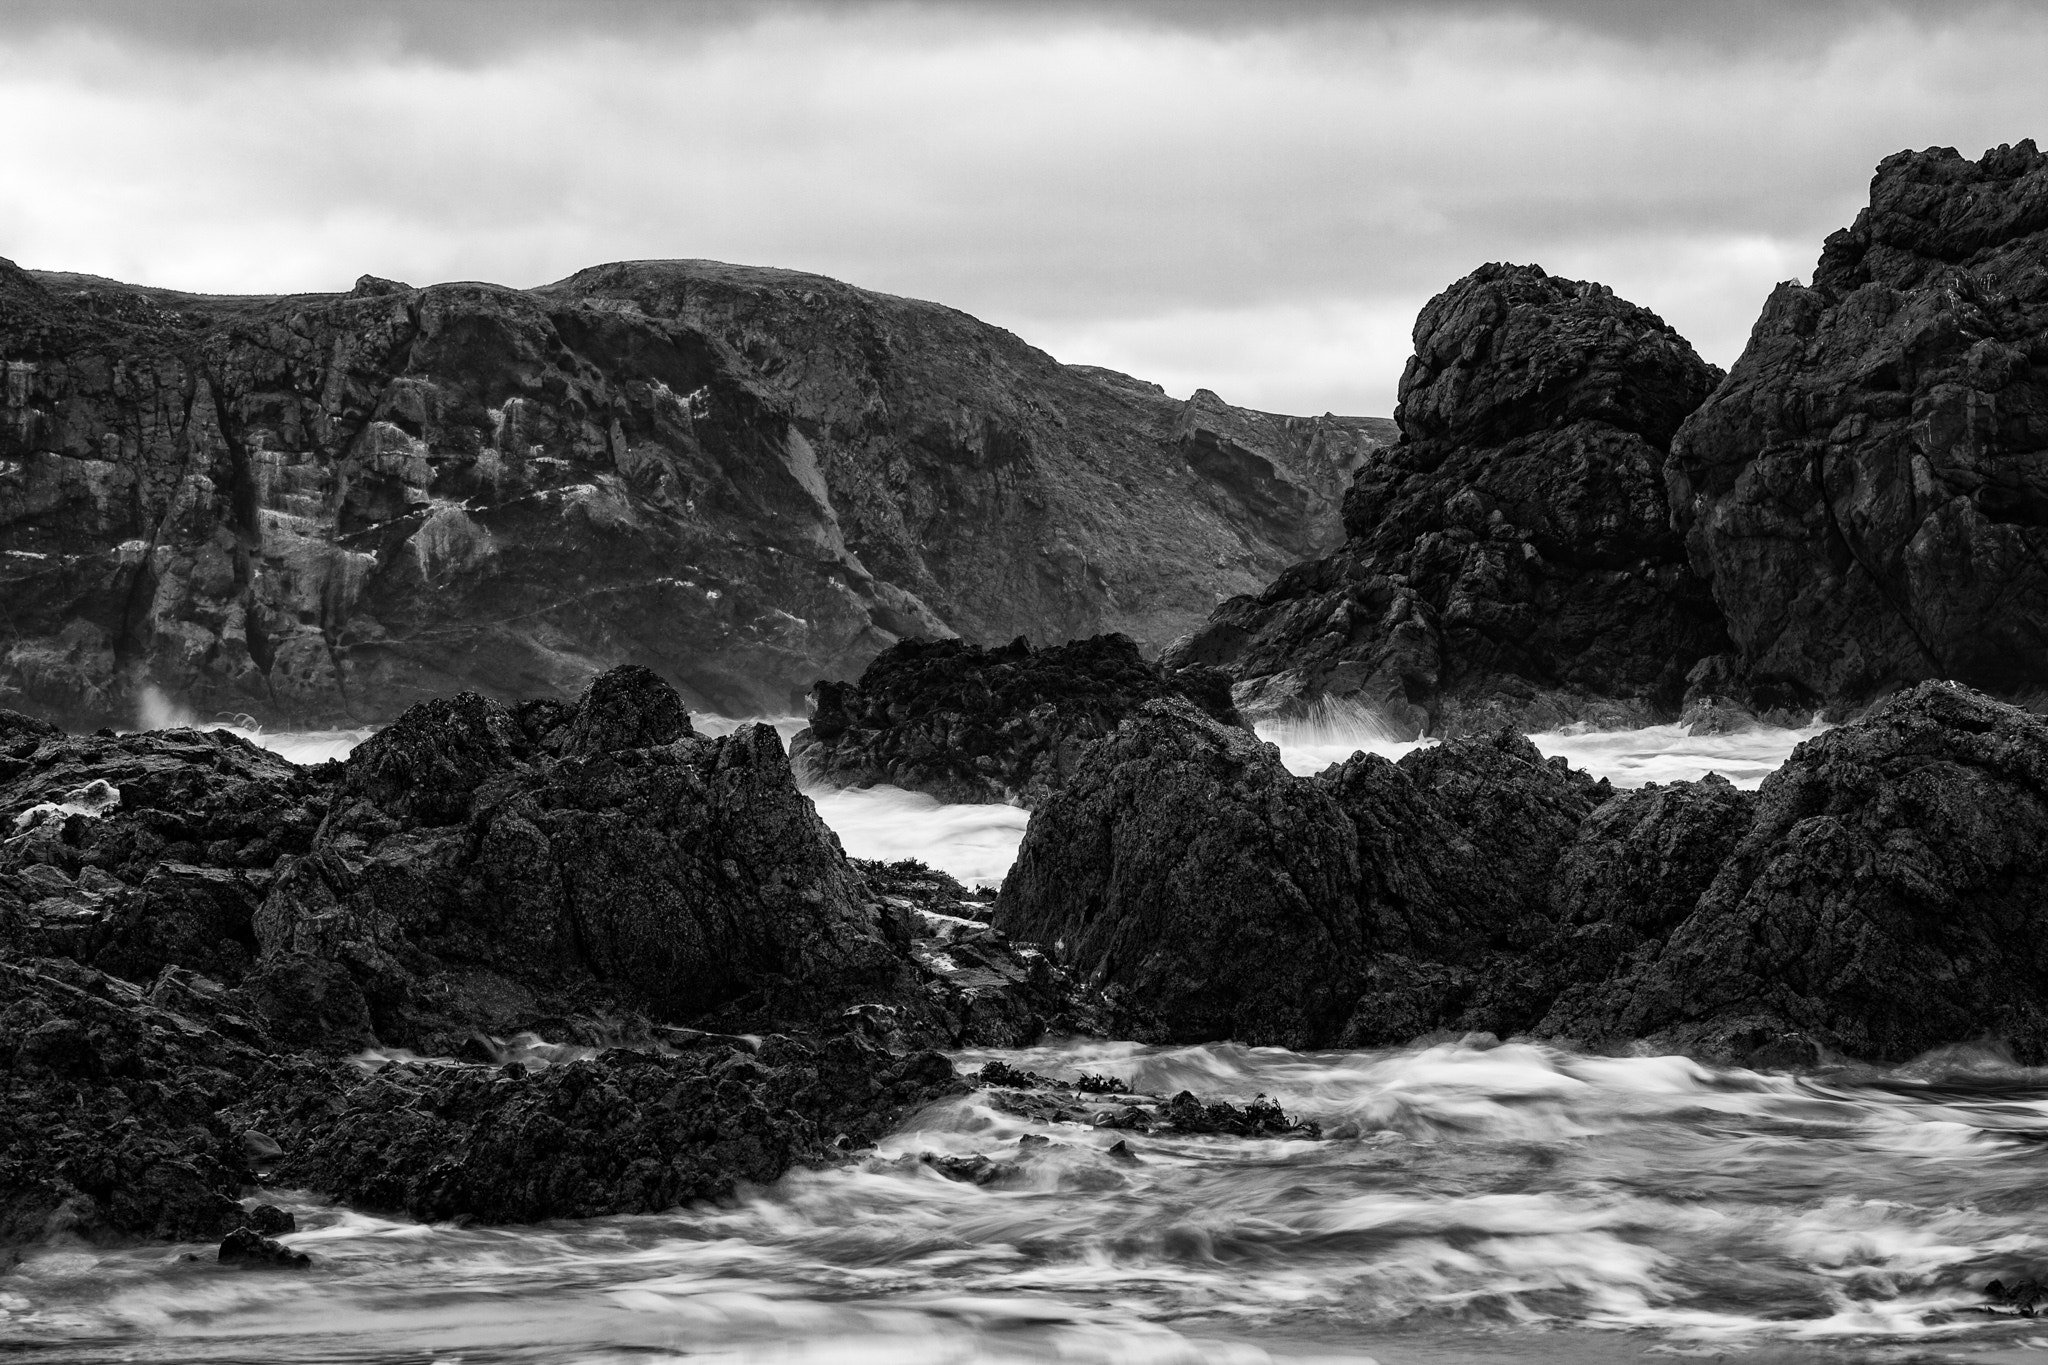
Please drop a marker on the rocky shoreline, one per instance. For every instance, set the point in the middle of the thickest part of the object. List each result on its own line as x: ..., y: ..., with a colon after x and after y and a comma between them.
x: 545, y: 961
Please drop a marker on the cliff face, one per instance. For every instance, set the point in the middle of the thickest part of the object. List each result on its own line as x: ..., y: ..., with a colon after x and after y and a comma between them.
x: 321, y: 508
x: 1511, y: 559
x: 1869, y: 490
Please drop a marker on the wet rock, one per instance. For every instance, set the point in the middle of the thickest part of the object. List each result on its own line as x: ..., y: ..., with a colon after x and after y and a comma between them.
x: 1206, y: 890
x: 248, y: 1247
x: 1633, y: 873
x: 1510, y: 560
x: 1457, y: 844
x: 1868, y: 492
x: 476, y: 873
x: 1889, y: 896
x: 268, y: 1220
x: 2022, y: 1296
x: 967, y: 724
x: 622, y: 1132
x: 326, y: 508
x: 1184, y: 1113
x: 110, y: 1124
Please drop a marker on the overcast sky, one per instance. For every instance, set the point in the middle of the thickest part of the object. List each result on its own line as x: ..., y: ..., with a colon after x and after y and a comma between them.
x: 1253, y: 198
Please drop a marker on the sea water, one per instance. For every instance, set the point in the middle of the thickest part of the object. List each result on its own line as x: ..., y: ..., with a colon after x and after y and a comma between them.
x: 1468, y: 1202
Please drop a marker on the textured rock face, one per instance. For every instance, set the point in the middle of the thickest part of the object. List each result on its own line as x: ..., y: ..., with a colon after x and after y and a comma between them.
x: 968, y: 724
x: 325, y: 508
x: 620, y: 1132
x: 1510, y: 560
x: 479, y: 864
x: 1213, y: 893
x: 1869, y: 490
x: 1891, y: 896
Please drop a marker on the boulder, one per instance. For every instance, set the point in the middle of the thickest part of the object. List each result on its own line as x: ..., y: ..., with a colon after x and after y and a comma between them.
x: 1208, y: 891
x: 1889, y: 896
x: 322, y: 509
x: 967, y: 724
x: 1510, y: 560
x: 1868, y: 491
x: 481, y: 869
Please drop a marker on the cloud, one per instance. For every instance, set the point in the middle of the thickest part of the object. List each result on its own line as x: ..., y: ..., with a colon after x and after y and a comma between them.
x: 1254, y: 199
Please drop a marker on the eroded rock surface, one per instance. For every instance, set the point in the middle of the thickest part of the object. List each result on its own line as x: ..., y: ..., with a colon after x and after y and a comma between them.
x: 967, y: 724
x: 194, y: 933
x: 1890, y: 896
x: 325, y: 508
x: 1207, y: 890
x: 1868, y: 492
x: 1510, y: 560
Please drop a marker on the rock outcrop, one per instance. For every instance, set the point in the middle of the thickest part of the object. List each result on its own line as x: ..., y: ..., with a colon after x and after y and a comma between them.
x: 1883, y: 894
x: 1510, y: 560
x: 1868, y: 491
x: 1208, y: 891
x: 575, y: 909
x: 967, y: 724
x: 479, y: 866
x: 1890, y: 896
x: 324, y: 508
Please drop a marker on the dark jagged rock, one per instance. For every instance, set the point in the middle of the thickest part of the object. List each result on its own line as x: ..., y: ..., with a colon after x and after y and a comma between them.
x: 142, y: 851
x: 1511, y: 559
x: 622, y: 1132
x: 110, y: 1112
x: 477, y: 872
x: 1868, y: 492
x: 967, y: 724
x: 1635, y: 871
x: 246, y: 1246
x: 1891, y: 896
x: 1209, y: 892
x: 325, y: 508
x: 978, y: 989
x: 1458, y: 843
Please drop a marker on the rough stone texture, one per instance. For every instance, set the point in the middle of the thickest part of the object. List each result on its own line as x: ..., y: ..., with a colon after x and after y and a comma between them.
x: 1633, y: 873
x: 967, y: 724
x: 1207, y: 890
x: 324, y: 508
x: 1891, y: 896
x: 1510, y: 560
x: 110, y: 1106
x: 620, y: 1132
x: 1458, y: 843
x: 1869, y: 490
x: 482, y: 868
x: 139, y: 851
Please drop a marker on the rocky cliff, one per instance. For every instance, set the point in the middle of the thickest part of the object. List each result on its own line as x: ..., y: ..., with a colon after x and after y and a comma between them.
x: 322, y: 508
x: 1511, y: 559
x: 1868, y: 492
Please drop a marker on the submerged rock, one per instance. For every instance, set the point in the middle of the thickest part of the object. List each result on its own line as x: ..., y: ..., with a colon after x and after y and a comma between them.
x: 1511, y: 559
x: 1868, y: 491
x: 247, y: 1246
x: 967, y: 724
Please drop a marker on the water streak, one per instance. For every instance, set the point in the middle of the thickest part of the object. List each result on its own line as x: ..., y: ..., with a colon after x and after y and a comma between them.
x: 1471, y: 1202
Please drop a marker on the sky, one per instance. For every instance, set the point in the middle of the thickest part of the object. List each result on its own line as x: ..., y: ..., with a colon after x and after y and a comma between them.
x: 1250, y: 198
